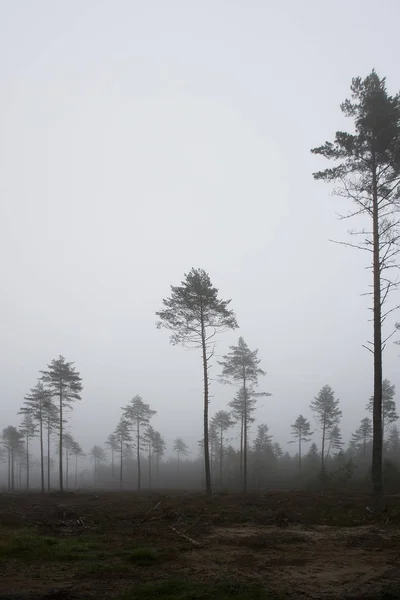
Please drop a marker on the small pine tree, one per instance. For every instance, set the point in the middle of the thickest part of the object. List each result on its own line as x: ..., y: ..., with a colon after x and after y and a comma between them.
x: 98, y: 455
x: 242, y: 365
x: 180, y: 447
x: 35, y: 405
x: 65, y: 385
x: 301, y: 431
x: 123, y: 438
x: 363, y: 435
x: 327, y: 413
x: 28, y: 428
x: 389, y: 413
x: 138, y: 413
x: 222, y: 421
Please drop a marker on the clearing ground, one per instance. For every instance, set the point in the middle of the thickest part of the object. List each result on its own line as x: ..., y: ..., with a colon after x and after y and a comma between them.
x: 181, y: 546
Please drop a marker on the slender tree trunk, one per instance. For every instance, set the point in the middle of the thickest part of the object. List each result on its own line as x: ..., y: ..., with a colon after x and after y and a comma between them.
x: 48, y: 458
x: 66, y: 466
x: 377, y: 440
x: 323, y: 449
x: 300, y: 455
x: 206, y: 400
x: 112, y: 462
x: 138, y: 455
x: 245, y: 436
x: 76, y: 471
x: 221, y: 451
x: 61, y: 442
x: 9, y: 468
x: 41, y: 451
x: 178, y: 461
x: 27, y: 462
x: 120, y: 466
x: 12, y: 471
x: 241, y: 447
x: 157, y: 466
x: 150, y: 465
x: 364, y: 447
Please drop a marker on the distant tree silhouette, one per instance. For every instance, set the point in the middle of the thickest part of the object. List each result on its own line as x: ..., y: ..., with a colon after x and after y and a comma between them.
x: 327, y: 414
x: 180, y: 447
x: 138, y: 414
x: 241, y: 366
x: 301, y: 431
x: 65, y: 384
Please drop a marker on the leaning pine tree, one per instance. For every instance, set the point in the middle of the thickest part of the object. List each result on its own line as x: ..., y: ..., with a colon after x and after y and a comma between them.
x: 65, y: 385
x: 367, y: 171
x: 195, y: 314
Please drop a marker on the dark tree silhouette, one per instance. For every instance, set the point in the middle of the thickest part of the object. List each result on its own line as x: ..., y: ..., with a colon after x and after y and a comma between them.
x: 367, y: 171
x: 194, y: 314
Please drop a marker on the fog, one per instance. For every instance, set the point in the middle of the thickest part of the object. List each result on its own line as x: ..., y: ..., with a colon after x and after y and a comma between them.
x: 141, y: 139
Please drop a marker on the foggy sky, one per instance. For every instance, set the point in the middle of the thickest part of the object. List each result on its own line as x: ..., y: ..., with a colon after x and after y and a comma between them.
x: 139, y: 139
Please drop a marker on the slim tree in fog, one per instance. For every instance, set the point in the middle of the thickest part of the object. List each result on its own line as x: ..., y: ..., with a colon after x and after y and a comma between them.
x: 28, y: 428
x: 65, y: 384
x: 98, y: 455
x: 389, y: 413
x: 138, y: 413
x: 334, y: 439
x: 112, y: 444
x: 68, y: 445
x: 123, y: 438
x: 149, y: 438
x: 301, y: 431
x: 35, y: 405
x: 195, y: 314
x: 327, y: 414
x: 159, y: 447
x: 367, y: 171
x: 51, y: 416
x: 12, y: 439
x: 243, y: 406
x: 363, y: 434
x: 222, y: 421
x: 241, y: 366
x: 180, y: 447
x: 76, y: 451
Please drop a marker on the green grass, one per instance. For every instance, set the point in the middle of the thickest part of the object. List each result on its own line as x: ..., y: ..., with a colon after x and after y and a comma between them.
x: 28, y: 546
x: 186, y: 590
x: 143, y: 555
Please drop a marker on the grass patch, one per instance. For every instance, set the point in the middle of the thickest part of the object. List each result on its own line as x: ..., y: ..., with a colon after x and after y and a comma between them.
x: 186, y: 590
x: 95, y: 568
x: 29, y: 546
x: 143, y: 555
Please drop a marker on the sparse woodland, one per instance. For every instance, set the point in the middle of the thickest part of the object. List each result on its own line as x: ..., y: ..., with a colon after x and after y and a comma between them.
x: 235, y: 451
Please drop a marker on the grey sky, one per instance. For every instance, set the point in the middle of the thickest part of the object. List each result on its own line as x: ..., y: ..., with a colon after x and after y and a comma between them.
x: 139, y: 139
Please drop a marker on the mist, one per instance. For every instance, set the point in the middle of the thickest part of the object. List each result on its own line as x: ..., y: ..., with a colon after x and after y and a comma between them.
x: 138, y: 141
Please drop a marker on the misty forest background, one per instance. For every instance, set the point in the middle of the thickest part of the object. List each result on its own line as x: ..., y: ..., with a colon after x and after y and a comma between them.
x: 236, y: 451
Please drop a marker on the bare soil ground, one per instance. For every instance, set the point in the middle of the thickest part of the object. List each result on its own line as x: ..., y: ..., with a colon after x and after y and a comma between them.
x: 178, y: 546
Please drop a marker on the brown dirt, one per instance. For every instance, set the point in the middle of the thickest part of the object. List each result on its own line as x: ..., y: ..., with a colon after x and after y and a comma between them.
x: 296, y: 545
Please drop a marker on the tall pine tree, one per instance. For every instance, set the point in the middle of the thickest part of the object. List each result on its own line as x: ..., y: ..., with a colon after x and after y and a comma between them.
x: 195, y: 314
x: 367, y: 171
